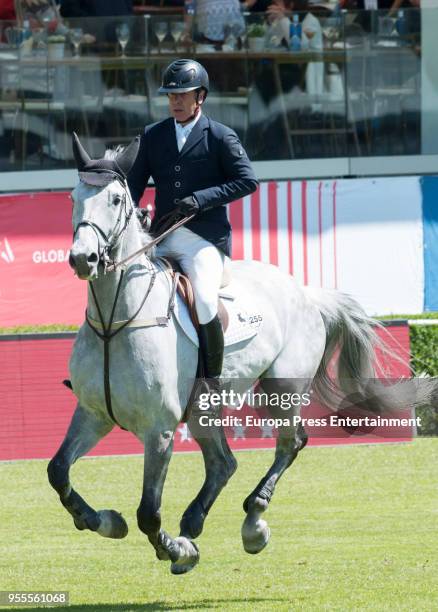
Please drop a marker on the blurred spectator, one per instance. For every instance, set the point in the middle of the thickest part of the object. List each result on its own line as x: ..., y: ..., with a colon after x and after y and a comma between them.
x: 412, y: 16
x: 96, y: 8
x: 40, y: 13
x: 278, y: 14
x: 397, y: 4
x: 213, y: 15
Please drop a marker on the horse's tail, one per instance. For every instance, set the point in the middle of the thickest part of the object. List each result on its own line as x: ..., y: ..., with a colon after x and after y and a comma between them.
x: 358, y: 376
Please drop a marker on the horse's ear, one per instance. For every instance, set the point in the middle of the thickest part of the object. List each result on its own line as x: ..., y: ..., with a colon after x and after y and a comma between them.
x: 81, y: 156
x: 125, y: 160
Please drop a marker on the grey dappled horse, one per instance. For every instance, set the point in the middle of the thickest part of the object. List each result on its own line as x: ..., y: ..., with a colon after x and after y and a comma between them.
x: 152, y: 367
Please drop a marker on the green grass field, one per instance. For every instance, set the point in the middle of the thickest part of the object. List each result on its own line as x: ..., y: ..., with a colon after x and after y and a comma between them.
x: 353, y: 528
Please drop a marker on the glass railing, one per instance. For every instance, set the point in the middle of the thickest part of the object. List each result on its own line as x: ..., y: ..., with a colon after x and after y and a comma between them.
x: 320, y: 85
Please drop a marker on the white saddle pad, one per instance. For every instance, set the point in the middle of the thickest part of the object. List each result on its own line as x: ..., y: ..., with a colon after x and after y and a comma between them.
x: 244, y: 321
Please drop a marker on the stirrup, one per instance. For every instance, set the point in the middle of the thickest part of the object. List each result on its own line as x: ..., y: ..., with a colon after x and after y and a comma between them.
x: 206, y: 387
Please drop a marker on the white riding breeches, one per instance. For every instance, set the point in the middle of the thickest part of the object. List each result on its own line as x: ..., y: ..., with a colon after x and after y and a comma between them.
x: 202, y: 262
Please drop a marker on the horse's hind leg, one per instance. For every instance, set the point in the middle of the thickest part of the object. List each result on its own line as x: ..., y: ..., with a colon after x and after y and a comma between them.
x: 291, y: 439
x: 291, y: 372
x: 84, y: 432
x: 255, y: 530
x: 220, y: 465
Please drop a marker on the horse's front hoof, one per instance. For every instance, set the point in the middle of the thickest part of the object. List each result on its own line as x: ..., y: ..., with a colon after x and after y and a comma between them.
x: 112, y: 524
x: 189, y: 557
x: 255, y: 536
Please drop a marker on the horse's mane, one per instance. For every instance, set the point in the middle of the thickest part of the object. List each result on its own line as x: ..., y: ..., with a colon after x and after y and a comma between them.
x: 111, y: 154
x: 146, y: 238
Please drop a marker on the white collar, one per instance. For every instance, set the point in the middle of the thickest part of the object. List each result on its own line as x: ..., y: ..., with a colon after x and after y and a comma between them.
x: 186, y: 129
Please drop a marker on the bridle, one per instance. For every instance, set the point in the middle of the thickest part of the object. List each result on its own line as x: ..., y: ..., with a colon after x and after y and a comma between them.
x: 108, y: 242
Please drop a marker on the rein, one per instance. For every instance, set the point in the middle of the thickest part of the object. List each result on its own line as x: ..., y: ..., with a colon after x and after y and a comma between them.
x: 150, y: 245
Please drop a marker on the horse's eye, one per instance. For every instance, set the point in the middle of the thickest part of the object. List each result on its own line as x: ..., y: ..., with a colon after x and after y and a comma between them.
x: 117, y: 200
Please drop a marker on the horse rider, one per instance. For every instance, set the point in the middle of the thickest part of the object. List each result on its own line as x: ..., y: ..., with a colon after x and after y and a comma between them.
x: 198, y: 166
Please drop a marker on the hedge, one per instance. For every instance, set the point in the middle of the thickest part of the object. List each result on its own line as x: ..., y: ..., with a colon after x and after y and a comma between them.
x: 424, y: 351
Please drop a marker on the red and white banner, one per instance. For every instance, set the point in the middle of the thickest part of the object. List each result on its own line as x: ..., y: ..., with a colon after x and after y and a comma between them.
x: 291, y: 226
x: 363, y: 237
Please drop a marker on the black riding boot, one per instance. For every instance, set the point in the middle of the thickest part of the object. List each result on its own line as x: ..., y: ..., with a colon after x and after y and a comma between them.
x: 211, y: 338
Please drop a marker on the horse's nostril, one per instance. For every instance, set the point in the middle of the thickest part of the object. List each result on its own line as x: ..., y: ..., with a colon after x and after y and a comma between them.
x: 92, y: 258
x: 71, y: 261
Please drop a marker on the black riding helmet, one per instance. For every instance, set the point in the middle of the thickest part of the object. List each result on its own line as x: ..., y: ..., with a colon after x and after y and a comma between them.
x: 184, y: 75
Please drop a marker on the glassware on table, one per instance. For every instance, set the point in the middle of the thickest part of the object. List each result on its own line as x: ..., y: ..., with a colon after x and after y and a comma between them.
x: 244, y: 33
x: 46, y: 19
x: 238, y: 30
x: 386, y: 26
x: 401, y: 26
x: 39, y: 36
x: 229, y: 39
x: 308, y: 42
x: 122, y: 32
x: 232, y: 32
x: 177, y: 29
x: 14, y: 36
x: 244, y: 38
x: 161, y: 29
x: 310, y: 31
x: 76, y: 36
x: 331, y: 30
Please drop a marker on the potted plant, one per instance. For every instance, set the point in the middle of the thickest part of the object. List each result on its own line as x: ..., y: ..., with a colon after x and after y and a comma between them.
x: 256, y: 37
x: 55, y: 46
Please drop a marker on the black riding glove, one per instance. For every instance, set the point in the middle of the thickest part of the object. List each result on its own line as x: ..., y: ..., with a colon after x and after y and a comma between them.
x: 187, y: 206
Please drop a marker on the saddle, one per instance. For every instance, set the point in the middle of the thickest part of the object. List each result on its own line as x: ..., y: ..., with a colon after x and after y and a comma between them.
x: 185, y: 291
x: 237, y: 311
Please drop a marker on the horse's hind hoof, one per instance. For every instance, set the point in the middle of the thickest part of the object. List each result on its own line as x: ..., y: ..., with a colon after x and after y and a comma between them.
x: 112, y: 524
x: 255, y: 537
x: 189, y: 557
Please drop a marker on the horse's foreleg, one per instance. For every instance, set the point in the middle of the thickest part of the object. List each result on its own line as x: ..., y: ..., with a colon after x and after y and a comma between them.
x: 255, y: 530
x: 183, y: 553
x: 84, y: 432
x: 220, y: 465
